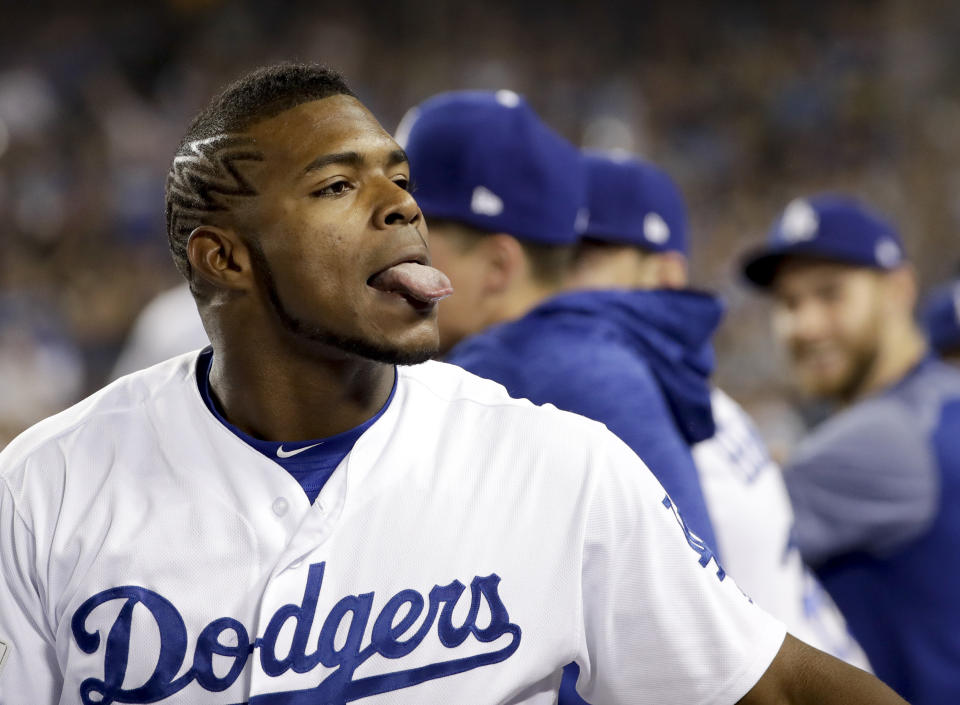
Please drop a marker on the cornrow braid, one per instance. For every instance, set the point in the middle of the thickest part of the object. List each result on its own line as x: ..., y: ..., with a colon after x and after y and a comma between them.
x: 204, y: 174
x: 200, y: 170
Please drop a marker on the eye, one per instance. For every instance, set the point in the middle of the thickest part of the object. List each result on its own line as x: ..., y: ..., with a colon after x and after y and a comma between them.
x: 405, y: 183
x: 337, y: 188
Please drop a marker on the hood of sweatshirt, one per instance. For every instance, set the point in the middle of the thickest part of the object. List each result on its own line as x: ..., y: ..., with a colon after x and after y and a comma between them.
x: 670, y: 329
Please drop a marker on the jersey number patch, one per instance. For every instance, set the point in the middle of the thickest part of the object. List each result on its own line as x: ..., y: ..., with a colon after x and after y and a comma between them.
x: 696, y: 543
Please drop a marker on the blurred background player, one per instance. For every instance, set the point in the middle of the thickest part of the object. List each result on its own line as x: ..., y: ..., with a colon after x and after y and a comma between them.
x: 874, y: 487
x: 504, y: 197
x: 940, y: 315
x: 169, y: 325
x: 636, y: 243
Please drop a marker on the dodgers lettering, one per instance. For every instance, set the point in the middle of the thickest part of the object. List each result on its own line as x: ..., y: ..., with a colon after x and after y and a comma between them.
x: 338, y: 687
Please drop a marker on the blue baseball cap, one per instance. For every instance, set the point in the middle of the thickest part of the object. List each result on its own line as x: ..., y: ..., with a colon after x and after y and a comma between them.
x: 828, y: 227
x: 486, y: 160
x: 633, y: 202
x: 940, y: 316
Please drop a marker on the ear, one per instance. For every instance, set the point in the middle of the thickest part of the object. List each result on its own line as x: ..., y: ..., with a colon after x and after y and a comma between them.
x: 672, y: 270
x: 901, y: 287
x: 504, y: 262
x: 220, y: 257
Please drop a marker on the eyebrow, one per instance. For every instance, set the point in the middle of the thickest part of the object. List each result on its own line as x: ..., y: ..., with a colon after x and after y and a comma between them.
x: 354, y: 159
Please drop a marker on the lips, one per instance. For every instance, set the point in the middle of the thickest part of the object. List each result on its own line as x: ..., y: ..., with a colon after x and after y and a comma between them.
x: 414, y: 280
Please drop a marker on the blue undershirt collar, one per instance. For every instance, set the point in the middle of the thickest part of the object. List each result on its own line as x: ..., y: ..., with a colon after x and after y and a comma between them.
x: 309, y: 462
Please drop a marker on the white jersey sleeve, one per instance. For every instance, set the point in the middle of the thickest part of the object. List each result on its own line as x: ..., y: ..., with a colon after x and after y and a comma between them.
x: 28, y: 664
x: 662, y: 621
x: 753, y: 521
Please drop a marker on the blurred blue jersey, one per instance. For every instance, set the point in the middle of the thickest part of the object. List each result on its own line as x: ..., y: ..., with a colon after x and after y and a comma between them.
x: 875, y: 491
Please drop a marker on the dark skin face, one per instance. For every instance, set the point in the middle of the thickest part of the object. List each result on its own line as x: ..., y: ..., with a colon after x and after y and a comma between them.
x: 304, y: 346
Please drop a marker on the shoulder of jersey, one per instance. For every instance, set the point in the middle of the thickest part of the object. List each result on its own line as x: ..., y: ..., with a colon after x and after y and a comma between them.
x: 475, y: 414
x: 453, y: 384
x: 120, y: 396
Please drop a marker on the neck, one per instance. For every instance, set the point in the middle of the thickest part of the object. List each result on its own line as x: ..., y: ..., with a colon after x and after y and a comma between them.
x: 523, y: 298
x: 276, y: 394
x: 901, y: 348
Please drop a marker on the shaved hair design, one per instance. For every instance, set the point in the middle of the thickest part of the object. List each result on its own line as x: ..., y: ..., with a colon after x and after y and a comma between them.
x: 203, y: 170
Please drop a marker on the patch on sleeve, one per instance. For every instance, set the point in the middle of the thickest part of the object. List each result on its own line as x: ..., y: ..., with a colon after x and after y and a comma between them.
x: 5, y: 650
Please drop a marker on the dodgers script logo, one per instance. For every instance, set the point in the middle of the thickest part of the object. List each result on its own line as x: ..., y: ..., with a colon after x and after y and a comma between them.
x: 350, y: 615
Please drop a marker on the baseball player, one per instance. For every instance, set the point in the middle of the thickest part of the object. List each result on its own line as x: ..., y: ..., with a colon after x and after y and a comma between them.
x: 873, y: 486
x: 301, y: 513
x: 636, y: 243
x: 940, y: 315
x: 506, y: 197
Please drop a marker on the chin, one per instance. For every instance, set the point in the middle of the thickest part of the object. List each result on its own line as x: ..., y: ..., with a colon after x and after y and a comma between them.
x: 823, y: 386
x: 409, y: 346
x: 408, y: 350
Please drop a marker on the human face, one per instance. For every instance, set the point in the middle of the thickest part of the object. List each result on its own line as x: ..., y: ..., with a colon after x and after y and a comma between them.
x: 462, y: 257
x: 829, y: 318
x: 333, y: 211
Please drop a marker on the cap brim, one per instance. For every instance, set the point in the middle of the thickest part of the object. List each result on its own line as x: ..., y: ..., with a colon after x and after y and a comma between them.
x: 760, y: 266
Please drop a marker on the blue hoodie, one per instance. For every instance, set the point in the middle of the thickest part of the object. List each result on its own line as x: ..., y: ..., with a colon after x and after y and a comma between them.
x: 637, y: 361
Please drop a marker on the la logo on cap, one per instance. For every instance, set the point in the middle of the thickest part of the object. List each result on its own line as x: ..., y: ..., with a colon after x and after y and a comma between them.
x: 887, y: 253
x: 507, y: 98
x: 800, y: 221
x: 486, y: 202
x: 582, y: 221
x: 655, y: 229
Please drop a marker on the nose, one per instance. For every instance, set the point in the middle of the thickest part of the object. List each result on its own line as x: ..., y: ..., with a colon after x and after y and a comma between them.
x: 397, y: 209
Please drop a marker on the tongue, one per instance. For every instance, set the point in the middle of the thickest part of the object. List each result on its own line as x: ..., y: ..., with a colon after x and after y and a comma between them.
x: 417, y: 281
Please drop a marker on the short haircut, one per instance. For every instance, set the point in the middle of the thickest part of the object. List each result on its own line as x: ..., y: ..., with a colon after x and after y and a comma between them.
x: 549, y: 264
x: 204, y: 172
x: 588, y: 244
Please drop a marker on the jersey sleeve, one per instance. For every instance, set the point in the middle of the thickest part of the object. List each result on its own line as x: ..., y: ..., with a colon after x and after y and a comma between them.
x: 864, y: 481
x: 28, y: 662
x: 662, y: 622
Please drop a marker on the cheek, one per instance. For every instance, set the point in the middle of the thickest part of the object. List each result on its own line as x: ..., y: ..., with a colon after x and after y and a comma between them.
x: 465, y: 272
x: 782, y: 325
x: 857, y: 319
x: 319, y: 252
x: 444, y: 258
x: 459, y: 308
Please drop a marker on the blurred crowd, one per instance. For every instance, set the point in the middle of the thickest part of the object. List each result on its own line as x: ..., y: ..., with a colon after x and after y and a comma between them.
x: 747, y: 104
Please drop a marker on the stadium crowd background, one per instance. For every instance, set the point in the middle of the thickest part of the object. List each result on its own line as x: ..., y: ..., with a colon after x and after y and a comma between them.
x: 747, y: 104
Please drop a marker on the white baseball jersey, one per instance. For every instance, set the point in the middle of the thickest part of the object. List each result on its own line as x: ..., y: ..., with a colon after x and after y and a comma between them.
x: 752, y: 519
x: 467, y: 548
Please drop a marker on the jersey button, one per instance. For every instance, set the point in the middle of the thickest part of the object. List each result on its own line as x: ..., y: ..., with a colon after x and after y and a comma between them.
x: 280, y: 506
